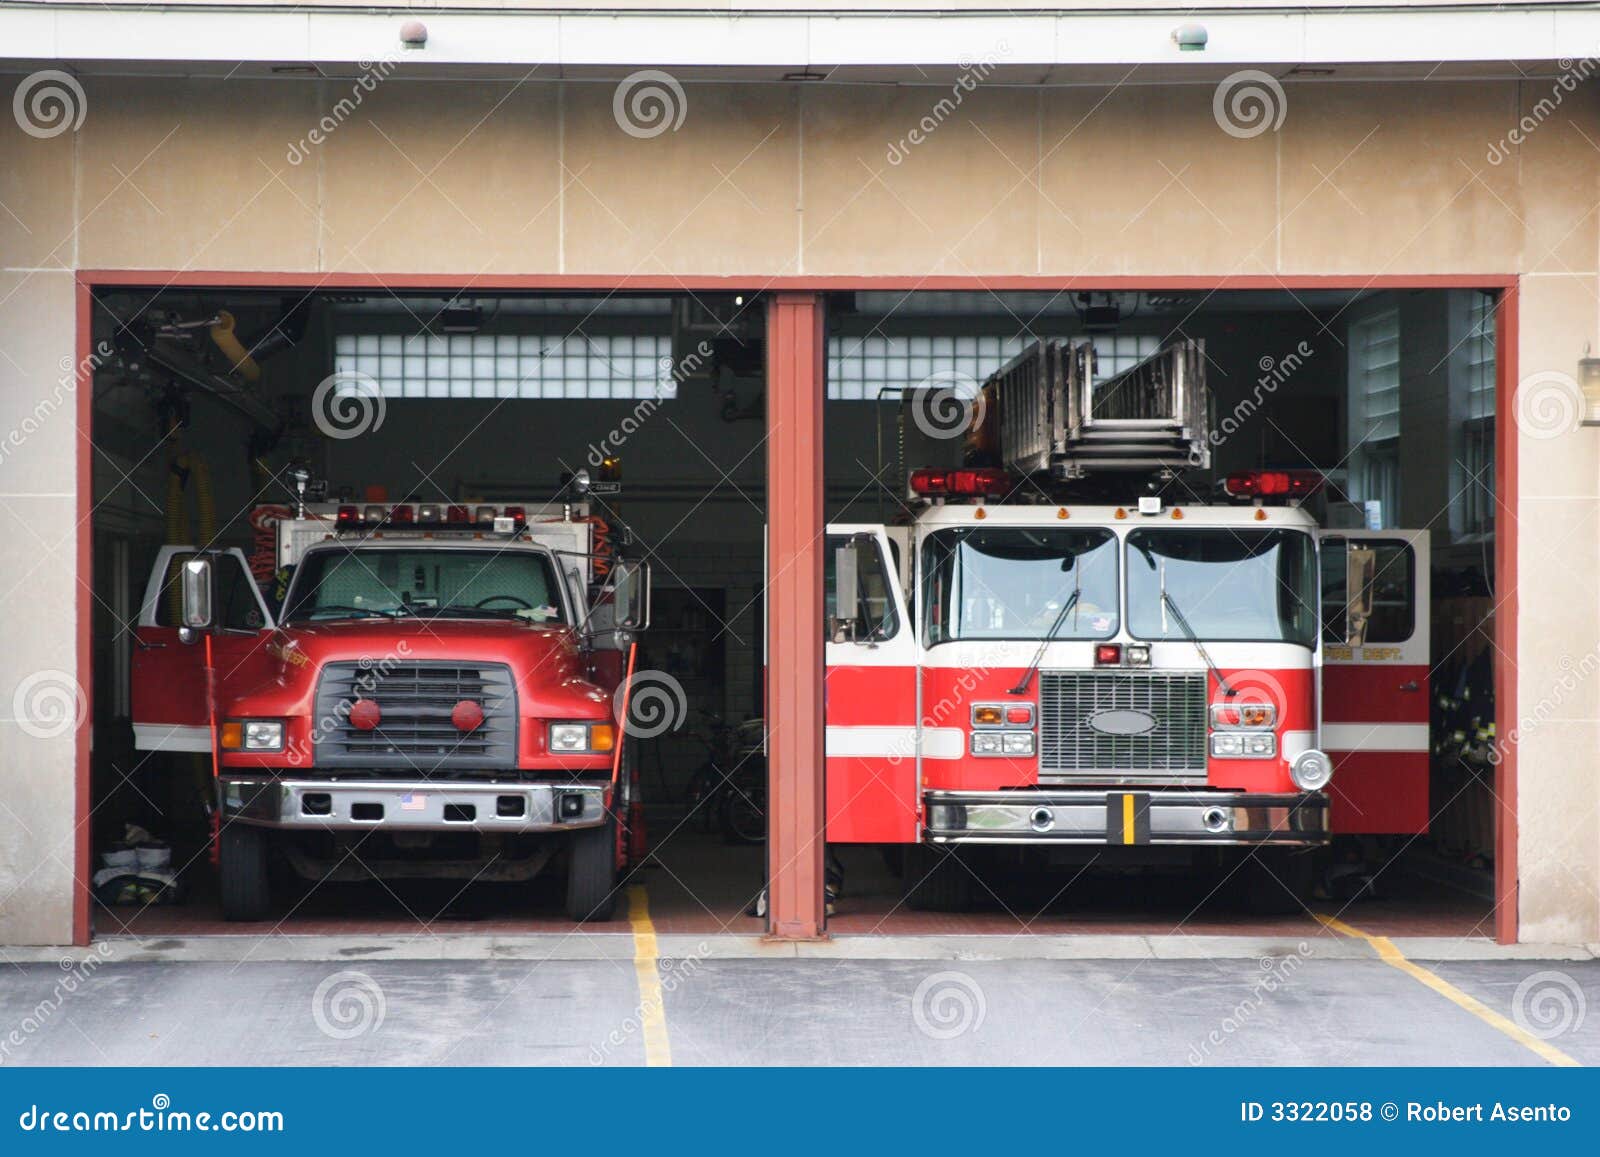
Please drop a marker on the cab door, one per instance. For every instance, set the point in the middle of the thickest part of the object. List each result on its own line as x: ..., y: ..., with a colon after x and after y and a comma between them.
x: 870, y: 693
x: 1375, y: 695
x: 171, y: 711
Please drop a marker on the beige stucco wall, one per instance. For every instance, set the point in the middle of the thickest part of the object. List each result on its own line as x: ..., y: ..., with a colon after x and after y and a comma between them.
x: 485, y: 178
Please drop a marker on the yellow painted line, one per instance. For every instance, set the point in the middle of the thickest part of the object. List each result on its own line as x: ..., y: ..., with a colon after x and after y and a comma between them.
x: 1127, y: 819
x: 1393, y: 957
x: 652, y: 1003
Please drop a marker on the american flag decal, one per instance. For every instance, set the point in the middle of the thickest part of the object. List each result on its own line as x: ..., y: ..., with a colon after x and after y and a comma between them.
x: 413, y: 802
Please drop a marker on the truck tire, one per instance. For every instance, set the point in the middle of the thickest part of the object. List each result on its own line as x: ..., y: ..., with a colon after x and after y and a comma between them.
x: 242, y: 873
x: 1279, y: 881
x: 936, y: 880
x: 592, y: 873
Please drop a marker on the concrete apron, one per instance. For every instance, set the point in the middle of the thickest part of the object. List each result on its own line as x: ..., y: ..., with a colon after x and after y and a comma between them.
x: 620, y: 945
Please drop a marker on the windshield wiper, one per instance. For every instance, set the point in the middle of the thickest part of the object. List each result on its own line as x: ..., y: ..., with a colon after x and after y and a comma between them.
x: 1189, y: 632
x: 341, y: 608
x: 1038, y: 656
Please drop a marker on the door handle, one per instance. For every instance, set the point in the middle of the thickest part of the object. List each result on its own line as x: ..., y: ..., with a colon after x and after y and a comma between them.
x: 1410, y: 685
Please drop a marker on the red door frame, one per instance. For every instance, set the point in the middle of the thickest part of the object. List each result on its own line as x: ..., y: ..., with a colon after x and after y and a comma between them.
x: 795, y: 515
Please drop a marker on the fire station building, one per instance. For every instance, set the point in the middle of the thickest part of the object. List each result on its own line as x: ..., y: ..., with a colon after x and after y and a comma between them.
x: 713, y: 256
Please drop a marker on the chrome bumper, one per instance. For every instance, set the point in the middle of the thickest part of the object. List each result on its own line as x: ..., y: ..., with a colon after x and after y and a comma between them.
x: 1161, y: 816
x: 433, y: 806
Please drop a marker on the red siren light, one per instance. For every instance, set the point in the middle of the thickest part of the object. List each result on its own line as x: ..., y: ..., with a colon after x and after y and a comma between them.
x: 964, y: 483
x: 1272, y: 484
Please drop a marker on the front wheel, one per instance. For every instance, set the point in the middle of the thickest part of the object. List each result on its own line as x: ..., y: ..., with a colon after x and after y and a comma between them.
x: 242, y: 872
x: 592, y: 873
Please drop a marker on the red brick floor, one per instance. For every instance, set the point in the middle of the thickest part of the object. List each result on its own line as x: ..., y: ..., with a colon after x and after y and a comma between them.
x: 697, y: 885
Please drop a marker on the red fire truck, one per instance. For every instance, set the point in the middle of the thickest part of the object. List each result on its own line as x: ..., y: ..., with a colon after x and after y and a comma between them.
x: 1069, y: 649
x: 439, y: 695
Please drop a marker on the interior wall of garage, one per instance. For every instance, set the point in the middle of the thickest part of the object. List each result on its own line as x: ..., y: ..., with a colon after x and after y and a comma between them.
x: 783, y: 181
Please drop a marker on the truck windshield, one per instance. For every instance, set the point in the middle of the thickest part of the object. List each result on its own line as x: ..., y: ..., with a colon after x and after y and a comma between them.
x: 1012, y: 583
x: 430, y: 582
x: 1231, y: 585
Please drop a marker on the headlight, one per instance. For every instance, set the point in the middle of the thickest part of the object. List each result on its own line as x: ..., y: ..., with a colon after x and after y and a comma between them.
x: 581, y: 738
x: 1243, y: 745
x: 1002, y: 743
x: 1018, y: 742
x: 1311, y: 770
x: 1243, y: 715
x: 253, y: 735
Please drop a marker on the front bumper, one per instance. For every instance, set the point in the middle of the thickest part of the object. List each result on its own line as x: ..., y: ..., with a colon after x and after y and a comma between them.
x: 1165, y: 816
x: 434, y: 806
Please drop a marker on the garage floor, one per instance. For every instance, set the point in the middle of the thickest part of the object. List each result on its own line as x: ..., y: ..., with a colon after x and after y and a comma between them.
x: 696, y: 885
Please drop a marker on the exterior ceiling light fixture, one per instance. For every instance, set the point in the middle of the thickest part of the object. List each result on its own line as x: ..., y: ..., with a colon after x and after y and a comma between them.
x: 1190, y: 37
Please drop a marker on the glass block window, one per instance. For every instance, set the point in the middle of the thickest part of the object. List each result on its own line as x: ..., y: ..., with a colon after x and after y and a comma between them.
x: 860, y: 367
x: 572, y: 365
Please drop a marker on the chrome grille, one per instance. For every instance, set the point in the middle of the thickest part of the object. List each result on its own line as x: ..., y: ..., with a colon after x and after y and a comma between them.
x: 414, y: 701
x: 1070, y: 750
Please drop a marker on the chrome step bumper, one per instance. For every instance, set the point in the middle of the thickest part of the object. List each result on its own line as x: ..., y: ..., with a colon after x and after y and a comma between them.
x: 433, y: 806
x: 1115, y: 817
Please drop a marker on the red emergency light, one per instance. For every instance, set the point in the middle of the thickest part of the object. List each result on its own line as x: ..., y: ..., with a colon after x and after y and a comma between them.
x: 403, y: 516
x: 981, y: 483
x: 1272, y: 484
x: 348, y: 516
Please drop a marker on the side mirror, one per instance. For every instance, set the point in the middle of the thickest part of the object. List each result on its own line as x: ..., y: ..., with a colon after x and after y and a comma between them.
x: 850, y: 562
x: 630, y: 582
x: 197, y: 609
x: 1361, y: 571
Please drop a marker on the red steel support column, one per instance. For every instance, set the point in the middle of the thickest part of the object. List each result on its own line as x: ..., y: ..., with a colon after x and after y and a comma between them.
x: 794, y: 615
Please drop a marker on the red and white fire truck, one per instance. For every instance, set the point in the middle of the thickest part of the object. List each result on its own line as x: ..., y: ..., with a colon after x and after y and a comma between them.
x: 437, y: 696
x: 1068, y: 648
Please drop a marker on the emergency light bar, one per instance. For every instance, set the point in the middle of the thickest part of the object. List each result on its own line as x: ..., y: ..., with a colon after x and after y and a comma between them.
x: 1272, y: 484
x: 449, y: 517
x: 985, y: 483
